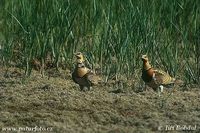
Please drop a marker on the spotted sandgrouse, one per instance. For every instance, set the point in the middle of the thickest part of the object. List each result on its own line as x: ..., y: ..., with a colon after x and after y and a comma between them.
x: 82, y: 75
x: 155, y: 79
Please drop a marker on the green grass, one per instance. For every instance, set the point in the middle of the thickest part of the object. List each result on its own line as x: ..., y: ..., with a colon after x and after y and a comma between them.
x: 113, y: 34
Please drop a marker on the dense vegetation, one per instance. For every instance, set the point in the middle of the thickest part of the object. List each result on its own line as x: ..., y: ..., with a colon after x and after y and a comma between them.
x: 113, y: 34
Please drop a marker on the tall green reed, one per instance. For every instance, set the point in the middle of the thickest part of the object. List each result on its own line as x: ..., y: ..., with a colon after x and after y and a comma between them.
x: 113, y: 34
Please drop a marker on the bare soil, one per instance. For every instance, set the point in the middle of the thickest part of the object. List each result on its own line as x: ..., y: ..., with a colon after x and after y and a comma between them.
x: 54, y: 103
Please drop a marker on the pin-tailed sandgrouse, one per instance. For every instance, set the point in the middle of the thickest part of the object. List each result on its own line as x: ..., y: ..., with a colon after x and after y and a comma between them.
x: 154, y: 78
x: 82, y: 75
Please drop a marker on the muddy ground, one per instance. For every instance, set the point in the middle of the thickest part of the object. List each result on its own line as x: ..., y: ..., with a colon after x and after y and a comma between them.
x: 54, y: 103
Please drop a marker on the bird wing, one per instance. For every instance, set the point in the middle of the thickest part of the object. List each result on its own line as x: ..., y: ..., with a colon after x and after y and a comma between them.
x: 93, y: 78
x: 84, y: 81
x: 85, y: 76
x: 163, y: 78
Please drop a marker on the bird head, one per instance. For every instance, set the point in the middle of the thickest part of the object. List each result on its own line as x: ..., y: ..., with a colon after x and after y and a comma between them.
x: 146, y: 64
x: 79, y: 57
x: 145, y: 58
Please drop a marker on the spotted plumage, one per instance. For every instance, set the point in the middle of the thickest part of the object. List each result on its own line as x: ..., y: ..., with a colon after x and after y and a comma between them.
x: 155, y: 78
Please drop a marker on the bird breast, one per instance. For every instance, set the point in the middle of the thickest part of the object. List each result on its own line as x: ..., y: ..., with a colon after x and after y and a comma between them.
x: 147, y: 75
x: 82, y: 71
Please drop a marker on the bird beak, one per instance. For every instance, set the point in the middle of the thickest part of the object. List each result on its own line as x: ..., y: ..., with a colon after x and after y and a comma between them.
x: 76, y: 54
x: 144, y: 56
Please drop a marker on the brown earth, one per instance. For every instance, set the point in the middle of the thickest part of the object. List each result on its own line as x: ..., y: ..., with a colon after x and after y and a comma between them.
x: 54, y: 103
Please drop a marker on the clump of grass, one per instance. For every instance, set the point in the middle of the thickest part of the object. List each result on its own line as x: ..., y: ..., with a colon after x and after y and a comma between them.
x: 167, y: 31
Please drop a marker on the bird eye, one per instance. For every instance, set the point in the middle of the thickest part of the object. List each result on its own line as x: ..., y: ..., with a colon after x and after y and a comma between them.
x: 145, y: 56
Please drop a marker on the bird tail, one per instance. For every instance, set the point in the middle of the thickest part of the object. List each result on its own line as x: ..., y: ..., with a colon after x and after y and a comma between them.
x: 179, y: 82
x: 168, y: 80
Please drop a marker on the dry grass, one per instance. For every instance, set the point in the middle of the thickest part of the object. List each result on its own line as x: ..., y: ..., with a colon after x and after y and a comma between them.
x: 56, y: 102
